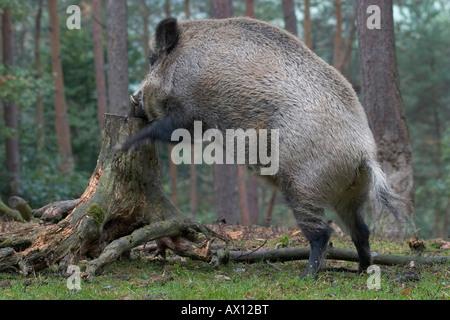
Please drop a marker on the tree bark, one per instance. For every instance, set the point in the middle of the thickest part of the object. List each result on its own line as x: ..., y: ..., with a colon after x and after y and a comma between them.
x: 221, y: 9
x: 100, y: 79
x: 226, y: 192
x: 337, y: 51
x: 245, y: 218
x: 117, y: 55
x: 187, y: 9
x: 37, y: 66
x: 61, y: 122
x: 193, y: 186
x: 250, y: 8
x: 289, y: 254
x: 347, y: 50
x: 290, y: 19
x: 123, y: 206
x: 307, y: 33
x: 167, y: 8
x: 252, y: 198
x: 252, y: 182
x: 383, y: 104
x: 145, y: 34
x: 270, y: 208
x: 10, y: 112
x: 173, y: 170
x: 225, y: 175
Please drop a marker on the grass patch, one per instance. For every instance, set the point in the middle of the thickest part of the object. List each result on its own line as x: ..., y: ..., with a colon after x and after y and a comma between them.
x: 180, y: 279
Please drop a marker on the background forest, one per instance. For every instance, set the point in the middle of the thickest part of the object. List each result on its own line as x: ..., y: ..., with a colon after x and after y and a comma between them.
x: 422, y: 34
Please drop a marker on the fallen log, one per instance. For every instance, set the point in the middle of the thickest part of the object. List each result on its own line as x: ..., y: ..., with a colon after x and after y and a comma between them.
x: 290, y: 254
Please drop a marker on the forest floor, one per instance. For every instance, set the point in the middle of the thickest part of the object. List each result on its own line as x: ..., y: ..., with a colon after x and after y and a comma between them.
x: 143, y: 277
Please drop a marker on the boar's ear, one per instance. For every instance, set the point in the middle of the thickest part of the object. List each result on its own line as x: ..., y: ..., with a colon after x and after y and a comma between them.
x: 167, y: 34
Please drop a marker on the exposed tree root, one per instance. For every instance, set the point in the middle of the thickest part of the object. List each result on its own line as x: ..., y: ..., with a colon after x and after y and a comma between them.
x: 123, y: 206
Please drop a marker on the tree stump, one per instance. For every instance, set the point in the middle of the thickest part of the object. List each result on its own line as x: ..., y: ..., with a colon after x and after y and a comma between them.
x: 123, y: 206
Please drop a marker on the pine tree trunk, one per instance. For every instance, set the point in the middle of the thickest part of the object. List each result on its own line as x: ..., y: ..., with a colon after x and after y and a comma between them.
x: 10, y: 109
x: 307, y: 33
x: 250, y: 8
x: 290, y: 19
x: 173, y: 170
x: 383, y: 104
x: 117, y: 55
x: 252, y: 196
x: 193, y: 186
x: 37, y: 67
x: 123, y: 206
x: 61, y: 121
x: 221, y: 9
x: 225, y: 175
x: 145, y: 34
x: 245, y: 218
x: 187, y: 9
x: 337, y: 50
x: 100, y: 79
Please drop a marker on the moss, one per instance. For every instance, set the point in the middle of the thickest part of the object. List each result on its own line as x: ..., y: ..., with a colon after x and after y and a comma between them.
x: 5, y: 243
x: 97, y: 213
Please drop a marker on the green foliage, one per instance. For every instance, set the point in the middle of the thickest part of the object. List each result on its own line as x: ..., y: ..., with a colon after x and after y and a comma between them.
x: 423, y: 42
x: 20, y: 85
x: 285, y: 240
x: 19, y: 8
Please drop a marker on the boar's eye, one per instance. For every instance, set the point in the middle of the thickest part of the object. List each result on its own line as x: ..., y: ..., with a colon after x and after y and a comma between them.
x: 152, y: 58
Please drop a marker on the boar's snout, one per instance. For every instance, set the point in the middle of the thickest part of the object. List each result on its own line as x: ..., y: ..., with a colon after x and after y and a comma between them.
x: 137, y: 105
x: 136, y: 98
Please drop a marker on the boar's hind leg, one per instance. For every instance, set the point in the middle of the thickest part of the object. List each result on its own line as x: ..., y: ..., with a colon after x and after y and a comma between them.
x: 314, y: 226
x: 351, y: 214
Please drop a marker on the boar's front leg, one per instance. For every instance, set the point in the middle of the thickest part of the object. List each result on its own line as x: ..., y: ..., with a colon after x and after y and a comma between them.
x: 160, y: 130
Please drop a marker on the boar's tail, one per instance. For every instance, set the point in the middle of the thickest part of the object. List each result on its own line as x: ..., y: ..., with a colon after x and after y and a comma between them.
x: 383, y: 192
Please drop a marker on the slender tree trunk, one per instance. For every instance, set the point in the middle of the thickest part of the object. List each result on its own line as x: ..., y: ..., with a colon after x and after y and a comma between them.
x: 270, y: 208
x: 10, y: 109
x: 226, y: 192
x: 252, y: 196
x: 221, y: 9
x: 252, y: 182
x: 167, y: 8
x: 61, y: 122
x: 250, y: 8
x: 173, y: 170
x: 307, y: 33
x: 37, y: 66
x: 145, y: 12
x: 245, y: 218
x: 344, y: 61
x: 438, y: 216
x: 117, y: 54
x: 445, y: 222
x: 225, y: 175
x: 383, y: 104
x: 100, y: 79
x: 187, y: 9
x: 193, y: 184
x: 337, y: 52
x: 290, y: 19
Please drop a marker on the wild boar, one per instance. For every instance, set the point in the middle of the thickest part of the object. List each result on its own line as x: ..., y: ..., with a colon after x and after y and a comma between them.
x: 244, y: 73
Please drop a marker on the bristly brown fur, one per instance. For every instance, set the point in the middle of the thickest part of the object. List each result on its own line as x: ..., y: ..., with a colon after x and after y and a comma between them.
x: 244, y: 73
